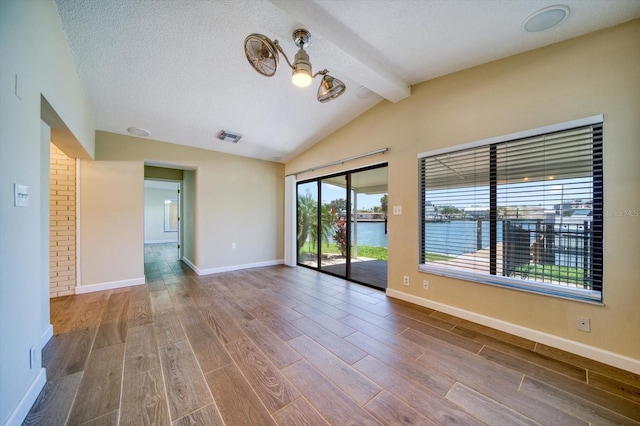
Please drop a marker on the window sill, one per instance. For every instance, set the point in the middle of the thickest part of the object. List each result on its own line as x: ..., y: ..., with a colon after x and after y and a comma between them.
x: 570, y: 293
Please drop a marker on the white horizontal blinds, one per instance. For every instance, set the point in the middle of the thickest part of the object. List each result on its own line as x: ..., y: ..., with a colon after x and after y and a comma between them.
x: 528, y: 210
x: 549, y: 182
x: 454, y: 182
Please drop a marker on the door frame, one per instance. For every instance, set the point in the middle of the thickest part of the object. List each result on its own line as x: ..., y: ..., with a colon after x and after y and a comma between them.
x: 348, y: 190
x: 179, y: 236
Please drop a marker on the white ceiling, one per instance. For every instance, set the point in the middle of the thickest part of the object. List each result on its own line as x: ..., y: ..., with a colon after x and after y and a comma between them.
x: 177, y: 68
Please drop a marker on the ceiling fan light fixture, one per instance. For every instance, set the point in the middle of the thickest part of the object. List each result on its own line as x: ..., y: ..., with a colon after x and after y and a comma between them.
x: 262, y: 54
x: 330, y: 88
x: 301, y: 78
x: 301, y: 75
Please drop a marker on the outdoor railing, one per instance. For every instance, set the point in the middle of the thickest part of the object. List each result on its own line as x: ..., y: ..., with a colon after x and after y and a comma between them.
x: 558, y: 253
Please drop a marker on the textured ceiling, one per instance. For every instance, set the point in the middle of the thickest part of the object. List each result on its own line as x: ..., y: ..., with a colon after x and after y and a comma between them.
x: 177, y: 68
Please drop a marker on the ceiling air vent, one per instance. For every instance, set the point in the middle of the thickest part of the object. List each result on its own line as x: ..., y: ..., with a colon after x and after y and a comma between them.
x: 228, y: 136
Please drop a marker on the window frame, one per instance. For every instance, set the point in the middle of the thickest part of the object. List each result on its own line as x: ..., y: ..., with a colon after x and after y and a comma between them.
x: 595, y: 296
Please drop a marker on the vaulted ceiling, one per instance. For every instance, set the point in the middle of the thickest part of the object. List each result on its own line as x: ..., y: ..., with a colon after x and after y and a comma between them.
x: 178, y: 69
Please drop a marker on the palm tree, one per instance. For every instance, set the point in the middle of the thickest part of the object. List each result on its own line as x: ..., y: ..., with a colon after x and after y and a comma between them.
x: 307, y: 212
x: 384, y: 202
x: 307, y: 218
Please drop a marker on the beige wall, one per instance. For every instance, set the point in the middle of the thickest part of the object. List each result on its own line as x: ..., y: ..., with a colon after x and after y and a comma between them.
x: 62, y: 229
x: 232, y: 199
x: 111, y: 222
x: 594, y: 74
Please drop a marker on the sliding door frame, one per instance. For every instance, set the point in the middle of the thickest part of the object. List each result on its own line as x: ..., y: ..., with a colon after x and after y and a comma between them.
x: 318, y: 180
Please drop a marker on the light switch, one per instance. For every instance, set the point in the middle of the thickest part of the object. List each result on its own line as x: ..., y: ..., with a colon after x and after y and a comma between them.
x: 397, y: 210
x: 20, y: 195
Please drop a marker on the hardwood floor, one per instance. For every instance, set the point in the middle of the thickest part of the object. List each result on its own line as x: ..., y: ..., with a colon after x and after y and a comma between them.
x: 285, y: 346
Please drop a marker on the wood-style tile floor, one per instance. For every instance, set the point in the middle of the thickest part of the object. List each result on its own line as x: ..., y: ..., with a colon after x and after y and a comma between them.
x: 290, y: 346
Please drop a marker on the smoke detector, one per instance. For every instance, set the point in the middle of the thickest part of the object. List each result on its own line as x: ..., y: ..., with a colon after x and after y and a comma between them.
x: 546, y: 18
x: 228, y: 136
x: 137, y: 131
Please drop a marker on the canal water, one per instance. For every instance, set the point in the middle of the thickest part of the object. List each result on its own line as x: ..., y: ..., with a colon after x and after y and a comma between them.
x: 459, y: 235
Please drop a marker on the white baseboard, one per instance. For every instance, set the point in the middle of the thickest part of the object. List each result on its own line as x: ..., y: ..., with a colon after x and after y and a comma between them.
x: 577, y: 348
x: 90, y: 288
x: 191, y: 265
x: 161, y: 241
x: 231, y: 267
x: 26, y: 402
x: 46, y: 336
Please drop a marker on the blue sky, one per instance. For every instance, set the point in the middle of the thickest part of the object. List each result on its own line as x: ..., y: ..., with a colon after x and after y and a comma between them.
x: 331, y: 192
x: 547, y: 193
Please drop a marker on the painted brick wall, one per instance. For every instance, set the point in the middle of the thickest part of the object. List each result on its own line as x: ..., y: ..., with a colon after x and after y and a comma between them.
x: 62, y: 225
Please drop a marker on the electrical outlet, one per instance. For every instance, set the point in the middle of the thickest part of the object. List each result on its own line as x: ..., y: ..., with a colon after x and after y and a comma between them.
x: 405, y: 281
x: 425, y: 285
x: 584, y: 324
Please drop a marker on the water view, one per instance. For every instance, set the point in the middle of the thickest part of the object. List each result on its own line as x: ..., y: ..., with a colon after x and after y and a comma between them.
x: 371, y: 234
x: 461, y: 234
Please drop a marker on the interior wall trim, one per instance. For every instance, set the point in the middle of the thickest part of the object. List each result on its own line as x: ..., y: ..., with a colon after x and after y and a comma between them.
x: 577, y: 348
x: 230, y: 268
x: 26, y: 402
x: 47, y: 334
x: 78, y: 226
x: 290, y: 221
x: 90, y: 288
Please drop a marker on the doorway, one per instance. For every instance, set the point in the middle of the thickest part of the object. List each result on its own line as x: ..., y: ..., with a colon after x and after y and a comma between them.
x: 342, y: 225
x: 162, y: 201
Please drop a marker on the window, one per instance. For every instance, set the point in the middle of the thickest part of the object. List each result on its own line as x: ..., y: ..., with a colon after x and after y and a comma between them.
x: 170, y: 215
x: 522, y: 211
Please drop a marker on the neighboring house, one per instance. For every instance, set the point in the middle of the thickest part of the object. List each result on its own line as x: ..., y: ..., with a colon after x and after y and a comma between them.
x: 476, y: 212
x: 371, y: 216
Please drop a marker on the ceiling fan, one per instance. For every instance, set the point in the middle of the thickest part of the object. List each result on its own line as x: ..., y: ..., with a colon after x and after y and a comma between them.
x: 263, y: 55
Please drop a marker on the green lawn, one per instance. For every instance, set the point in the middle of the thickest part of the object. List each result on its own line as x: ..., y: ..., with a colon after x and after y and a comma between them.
x: 373, y: 252
x: 326, y: 248
x: 432, y: 257
x: 380, y: 253
x: 562, y: 274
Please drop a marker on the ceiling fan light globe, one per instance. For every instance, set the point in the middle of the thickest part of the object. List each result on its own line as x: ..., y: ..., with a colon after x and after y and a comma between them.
x: 330, y: 88
x: 301, y: 78
x: 301, y: 75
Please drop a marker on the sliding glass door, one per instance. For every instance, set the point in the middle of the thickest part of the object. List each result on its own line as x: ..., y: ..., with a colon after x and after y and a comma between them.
x: 341, y: 227
x: 307, y: 226
x: 369, y: 227
x: 333, y: 225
